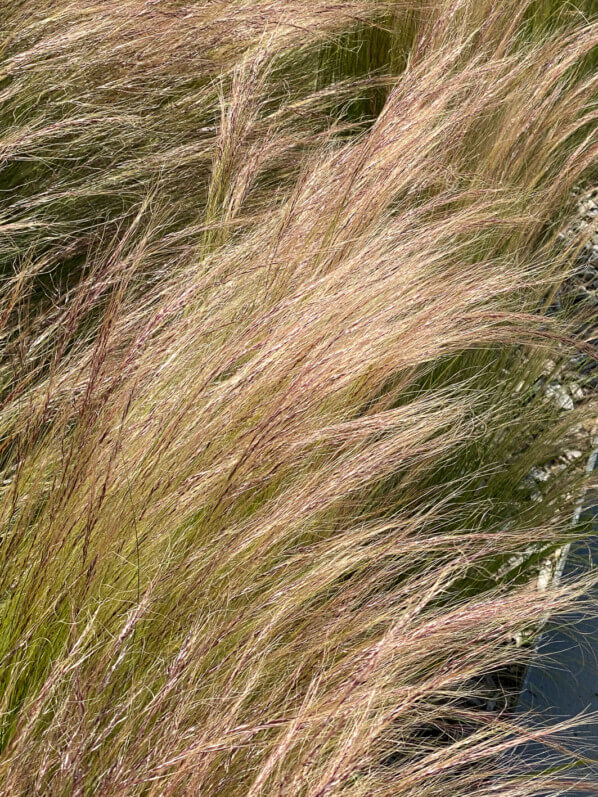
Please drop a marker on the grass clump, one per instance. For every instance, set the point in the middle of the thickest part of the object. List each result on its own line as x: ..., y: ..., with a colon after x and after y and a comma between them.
x: 274, y: 324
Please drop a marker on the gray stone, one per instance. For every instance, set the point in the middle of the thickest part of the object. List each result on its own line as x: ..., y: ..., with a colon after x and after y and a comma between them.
x: 559, y: 396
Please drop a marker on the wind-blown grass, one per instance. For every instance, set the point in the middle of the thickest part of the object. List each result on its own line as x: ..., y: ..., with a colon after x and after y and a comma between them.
x: 273, y: 323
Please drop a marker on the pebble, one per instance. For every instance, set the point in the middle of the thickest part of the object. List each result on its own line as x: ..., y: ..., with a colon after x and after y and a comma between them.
x: 559, y: 396
x: 539, y: 474
x: 571, y: 454
x: 576, y: 391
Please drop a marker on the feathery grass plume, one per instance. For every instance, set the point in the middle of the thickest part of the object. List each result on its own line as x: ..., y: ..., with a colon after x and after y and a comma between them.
x: 274, y: 328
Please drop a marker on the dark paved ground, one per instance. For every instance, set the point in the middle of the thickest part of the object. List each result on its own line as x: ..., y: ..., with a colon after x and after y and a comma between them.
x: 568, y: 684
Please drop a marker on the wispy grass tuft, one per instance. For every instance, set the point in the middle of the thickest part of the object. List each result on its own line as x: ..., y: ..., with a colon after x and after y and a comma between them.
x: 274, y: 329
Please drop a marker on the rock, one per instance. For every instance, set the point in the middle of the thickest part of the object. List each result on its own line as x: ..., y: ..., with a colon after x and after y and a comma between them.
x: 559, y: 396
x: 576, y: 391
x: 539, y: 474
x: 589, y: 208
x: 572, y: 454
